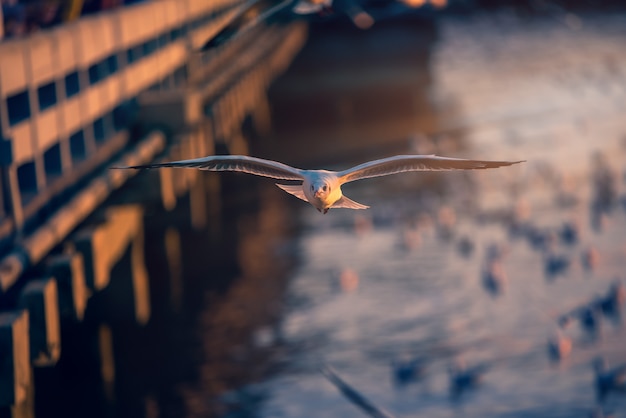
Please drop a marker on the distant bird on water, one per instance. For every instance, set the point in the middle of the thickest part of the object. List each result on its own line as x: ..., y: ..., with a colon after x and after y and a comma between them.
x: 322, y: 188
x: 608, y: 380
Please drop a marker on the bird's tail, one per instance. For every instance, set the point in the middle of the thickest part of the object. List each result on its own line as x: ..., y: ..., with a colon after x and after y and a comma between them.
x: 344, y: 202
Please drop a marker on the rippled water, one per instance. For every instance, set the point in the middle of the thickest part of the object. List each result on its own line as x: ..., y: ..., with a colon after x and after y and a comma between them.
x: 244, y: 316
x: 503, y: 89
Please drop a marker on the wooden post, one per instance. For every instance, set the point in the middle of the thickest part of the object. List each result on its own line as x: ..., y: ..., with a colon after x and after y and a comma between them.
x: 40, y: 298
x: 121, y: 258
x: 69, y: 272
x: 141, y: 288
x: 15, y: 378
x: 197, y: 203
x: 17, y: 209
x: 102, y: 246
x: 107, y: 361
x: 175, y: 264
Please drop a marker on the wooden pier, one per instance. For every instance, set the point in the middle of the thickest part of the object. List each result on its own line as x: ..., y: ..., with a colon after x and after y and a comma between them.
x: 119, y: 88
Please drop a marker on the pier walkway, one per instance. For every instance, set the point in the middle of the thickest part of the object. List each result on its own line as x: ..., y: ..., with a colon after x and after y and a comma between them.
x: 123, y: 87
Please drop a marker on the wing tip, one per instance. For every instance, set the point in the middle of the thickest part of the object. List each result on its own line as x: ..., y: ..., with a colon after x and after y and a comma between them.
x: 515, y: 162
x: 496, y: 164
x: 126, y: 167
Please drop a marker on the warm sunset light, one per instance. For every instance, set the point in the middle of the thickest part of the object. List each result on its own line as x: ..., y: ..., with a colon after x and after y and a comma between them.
x: 312, y: 208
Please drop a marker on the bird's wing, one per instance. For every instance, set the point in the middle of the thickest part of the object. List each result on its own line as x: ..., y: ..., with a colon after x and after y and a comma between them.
x: 295, y: 190
x: 241, y: 163
x: 402, y: 163
x: 346, y: 203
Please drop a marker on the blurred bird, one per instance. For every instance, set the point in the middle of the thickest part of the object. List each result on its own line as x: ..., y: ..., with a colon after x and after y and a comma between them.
x: 607, y: 381
x: 617, y: 295
x: 410, y: 239
x: 588, y: 317
x: 590, y: 320
x: 446, y: 219
x: 564, y: 321
x: 555, y: 264
x: 570, y: 233
x: 559, y: 346
x: 590, y: 258
x: 322, y: 188
x: 611, y: 304
x: 540, y: 239
x: 348, y: 280
x: 465, y: 246
x: 463, y: 378
x: 494, y: 278
x: 407, y: 369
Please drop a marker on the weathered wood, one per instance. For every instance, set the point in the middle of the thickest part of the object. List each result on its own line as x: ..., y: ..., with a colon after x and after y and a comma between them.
x: 40, y: 298
x: 15, y: 376
x: 102, y: 246
x: 36, y: 246
x: 114, y: 255
x: 107, y: 361
x: 25, y: 409
x: 173, y: 254
x: 15, y: 197
x: 168, y: 196
x: 139, y: 274
x: 197, y: 204
x: 69, y: 272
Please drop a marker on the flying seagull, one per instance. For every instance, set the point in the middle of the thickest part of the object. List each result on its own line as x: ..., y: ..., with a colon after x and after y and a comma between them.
x: 322, y: 188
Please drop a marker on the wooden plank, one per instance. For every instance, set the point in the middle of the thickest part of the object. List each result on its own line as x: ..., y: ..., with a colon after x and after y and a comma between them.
x: 13, y: 75
x: 14, y: 346
x: 32, y: 250
x: 40, y: 298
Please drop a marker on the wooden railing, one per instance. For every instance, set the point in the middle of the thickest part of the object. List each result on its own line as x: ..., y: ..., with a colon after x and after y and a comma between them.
x: 68, y: 95
x: 68, y: 100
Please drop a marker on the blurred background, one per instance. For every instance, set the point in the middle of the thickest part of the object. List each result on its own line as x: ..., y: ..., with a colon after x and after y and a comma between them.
x: 177, y: 293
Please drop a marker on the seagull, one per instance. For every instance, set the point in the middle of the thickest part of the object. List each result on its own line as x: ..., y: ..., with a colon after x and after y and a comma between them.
x: 322, y: 188
x: 463, y: 377
x: 608, y: 380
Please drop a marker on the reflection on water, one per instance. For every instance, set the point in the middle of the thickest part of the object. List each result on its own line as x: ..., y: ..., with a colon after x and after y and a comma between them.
x: 486, y: 279
x: 497, y: 269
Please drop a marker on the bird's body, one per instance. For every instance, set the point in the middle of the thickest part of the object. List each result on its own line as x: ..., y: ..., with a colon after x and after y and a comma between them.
x: 463, y: 378
x: 322, y: 188
x: 608, y: 380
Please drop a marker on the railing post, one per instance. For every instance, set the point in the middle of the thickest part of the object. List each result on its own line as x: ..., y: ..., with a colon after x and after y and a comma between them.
x: 39, y: 297
x: 15, y: 381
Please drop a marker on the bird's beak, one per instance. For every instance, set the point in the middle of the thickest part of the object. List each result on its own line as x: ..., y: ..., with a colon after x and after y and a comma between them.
x: 317, y: 193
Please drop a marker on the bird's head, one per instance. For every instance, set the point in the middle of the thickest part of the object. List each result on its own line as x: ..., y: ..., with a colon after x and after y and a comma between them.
x: 320, y: 190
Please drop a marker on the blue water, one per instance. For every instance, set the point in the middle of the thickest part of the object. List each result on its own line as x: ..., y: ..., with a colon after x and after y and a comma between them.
x: 247, y: 311
x: 545, y: 91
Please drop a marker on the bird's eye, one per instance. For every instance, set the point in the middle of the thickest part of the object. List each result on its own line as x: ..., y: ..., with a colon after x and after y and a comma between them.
x: 312, y: 187
x: 325, y: 188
